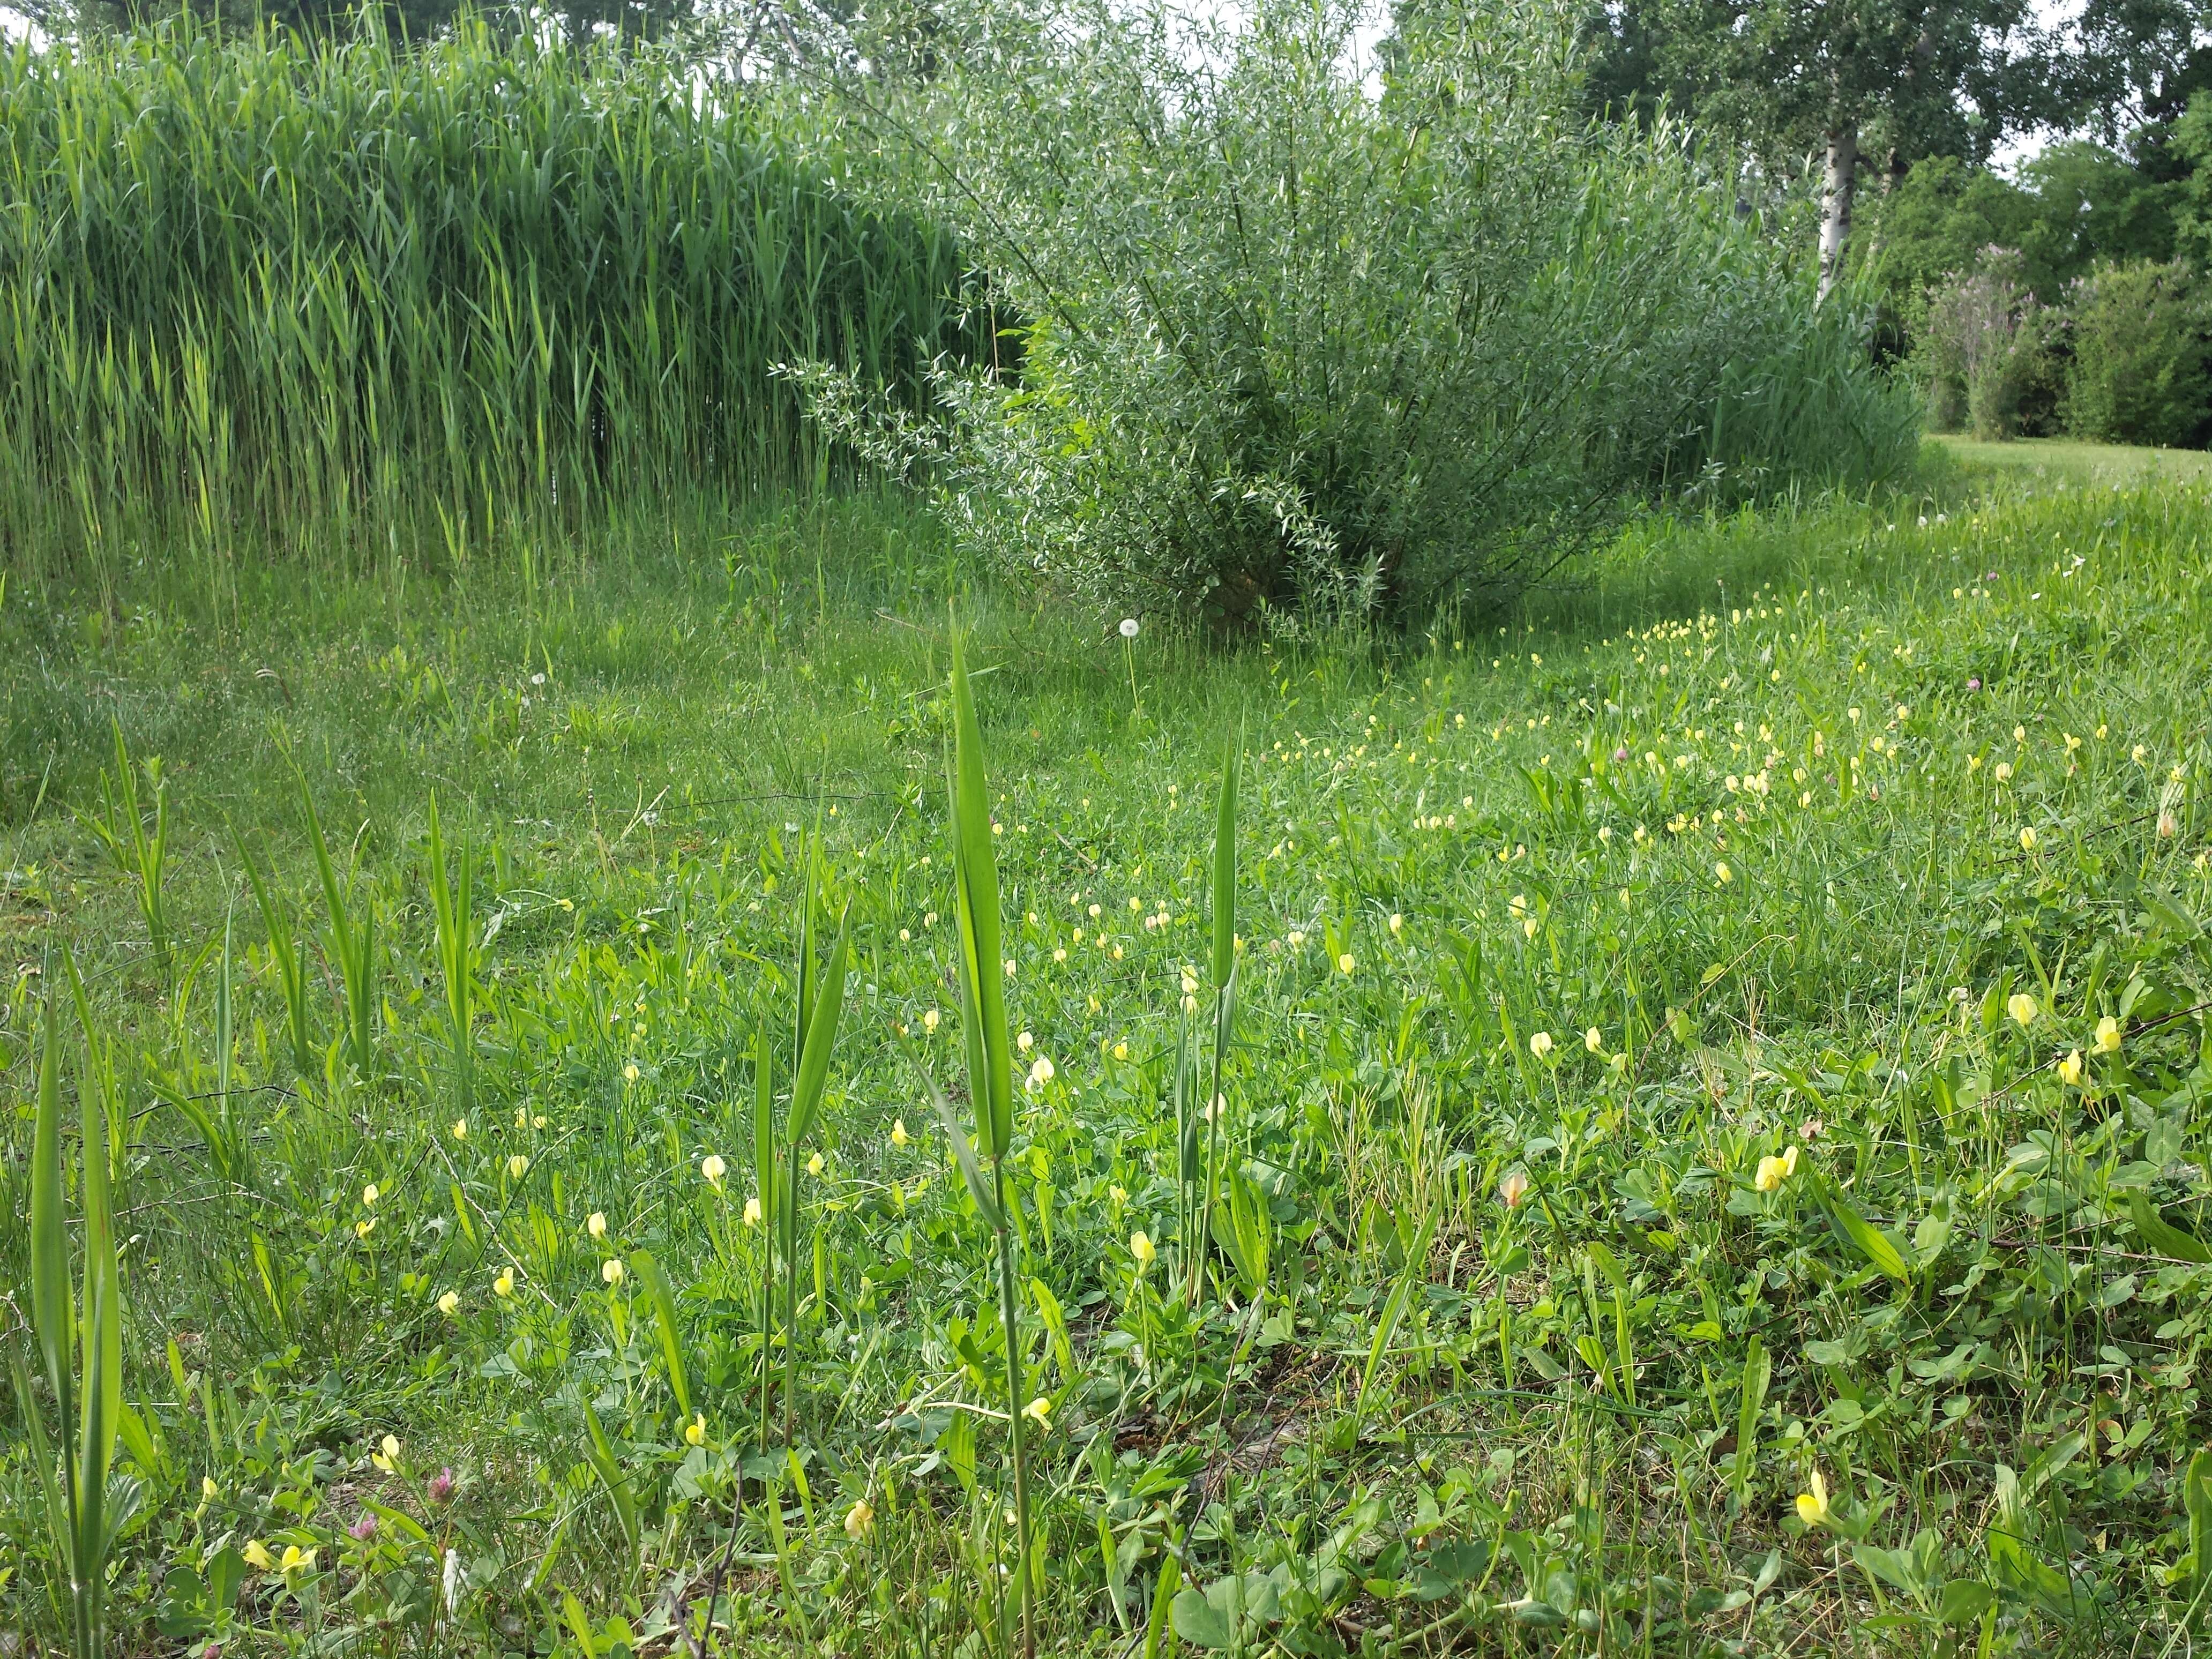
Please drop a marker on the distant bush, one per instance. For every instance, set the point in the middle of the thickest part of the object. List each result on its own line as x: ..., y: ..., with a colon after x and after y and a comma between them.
x: 1985, y: 349
x: 2138, y: 374
x: 1297, y: 351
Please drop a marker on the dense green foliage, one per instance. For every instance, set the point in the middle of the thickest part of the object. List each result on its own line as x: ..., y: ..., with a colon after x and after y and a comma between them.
x: 1844, y: 1288
x: 341, y: 293
x: 1300, y: 353
x: 2100, y: 245
x: 2076, y: 206
x: 2139, y: 338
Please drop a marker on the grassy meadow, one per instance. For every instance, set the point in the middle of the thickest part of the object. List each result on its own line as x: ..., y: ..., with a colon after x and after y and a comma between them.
x: 1711, y: 1150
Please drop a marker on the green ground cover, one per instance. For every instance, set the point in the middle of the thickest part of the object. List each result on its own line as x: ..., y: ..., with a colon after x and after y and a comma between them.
x: 2051, y: 459
x: 1717, y: 1115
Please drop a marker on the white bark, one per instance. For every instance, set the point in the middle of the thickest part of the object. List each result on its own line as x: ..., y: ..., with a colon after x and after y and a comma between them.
x: 1839, y: 187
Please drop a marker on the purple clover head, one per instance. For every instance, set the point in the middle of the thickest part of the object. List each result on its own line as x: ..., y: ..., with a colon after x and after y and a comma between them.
x: 1620, y: 755
x: 442, y: 1487
x: 363, y: 1529
x: 1975, y: 684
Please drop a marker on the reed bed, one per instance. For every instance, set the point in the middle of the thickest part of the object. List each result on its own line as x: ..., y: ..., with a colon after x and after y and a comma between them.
x: 351, y: 296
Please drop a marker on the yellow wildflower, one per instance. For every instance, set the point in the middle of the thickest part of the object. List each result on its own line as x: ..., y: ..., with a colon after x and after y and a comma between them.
x: 1813, y: 1507
x: 1773, y: 1171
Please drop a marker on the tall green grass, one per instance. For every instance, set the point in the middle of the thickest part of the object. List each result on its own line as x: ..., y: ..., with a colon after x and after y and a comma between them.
x: 412, y: 300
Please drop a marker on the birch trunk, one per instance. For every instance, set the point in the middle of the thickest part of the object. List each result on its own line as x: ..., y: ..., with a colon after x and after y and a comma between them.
x: 1838, y: 188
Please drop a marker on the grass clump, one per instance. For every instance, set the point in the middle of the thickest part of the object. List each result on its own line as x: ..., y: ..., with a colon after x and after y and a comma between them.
x: 1708, y: 1153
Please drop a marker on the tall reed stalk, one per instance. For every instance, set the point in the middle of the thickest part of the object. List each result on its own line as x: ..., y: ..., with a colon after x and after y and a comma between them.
x: 984, y: 1027
x: 1224, y: 966
x: 78, y: 1507
x: 821, y: 998
x: 352, y: 943
x: 451, y: 900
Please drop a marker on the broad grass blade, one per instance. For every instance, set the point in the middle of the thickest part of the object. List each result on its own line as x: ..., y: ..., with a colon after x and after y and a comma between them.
x: 664, y: 1319
x: 1225, y: 861
x: 975, y: 879
x: 820, y: 1037
x: 53, y: 1310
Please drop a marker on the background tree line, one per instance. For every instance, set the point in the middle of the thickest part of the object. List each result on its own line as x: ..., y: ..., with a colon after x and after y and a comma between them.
x: 2068, y: 297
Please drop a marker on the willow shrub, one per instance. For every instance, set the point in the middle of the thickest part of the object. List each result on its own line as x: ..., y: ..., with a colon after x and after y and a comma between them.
x: 339, y: 288
x: 2138, y: 372
x: 1297, y: 349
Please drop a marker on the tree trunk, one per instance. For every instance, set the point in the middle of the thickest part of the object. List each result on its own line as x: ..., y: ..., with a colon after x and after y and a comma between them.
x: 1836, y: 190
